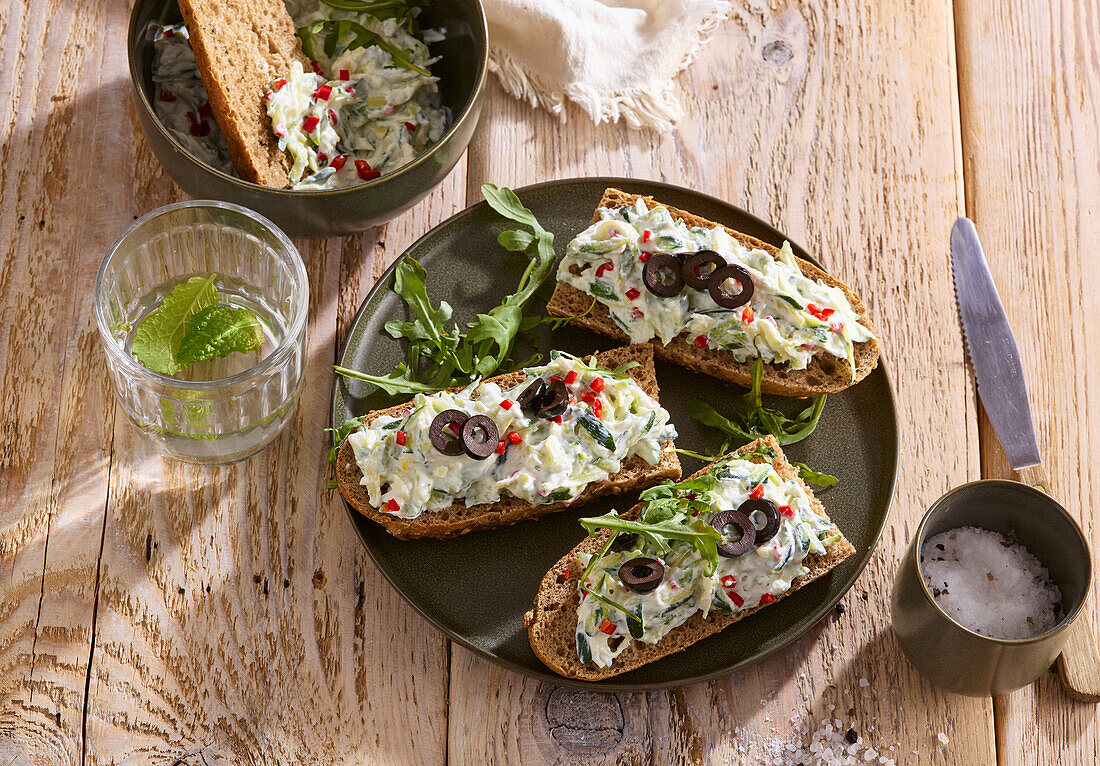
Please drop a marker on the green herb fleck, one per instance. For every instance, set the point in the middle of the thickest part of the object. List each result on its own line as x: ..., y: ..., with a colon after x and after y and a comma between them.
x: 810, y: 476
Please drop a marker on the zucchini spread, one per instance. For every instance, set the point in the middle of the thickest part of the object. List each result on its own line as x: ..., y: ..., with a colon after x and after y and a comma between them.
x: 542, y: 446
x: 635, y: 590
x: 362, y: 111
x: 787, y: 319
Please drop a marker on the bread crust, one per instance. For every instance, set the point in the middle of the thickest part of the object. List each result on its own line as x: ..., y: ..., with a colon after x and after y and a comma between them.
x: 240, y: 47
x: 825, y: 374
x: 458, y: 519
x: 552, y: 623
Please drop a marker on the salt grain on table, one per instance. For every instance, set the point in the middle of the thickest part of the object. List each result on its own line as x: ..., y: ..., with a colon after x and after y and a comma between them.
x: 990, y: 584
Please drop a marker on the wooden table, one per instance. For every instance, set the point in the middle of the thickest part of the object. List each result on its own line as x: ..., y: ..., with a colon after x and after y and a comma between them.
x: 152, y: 612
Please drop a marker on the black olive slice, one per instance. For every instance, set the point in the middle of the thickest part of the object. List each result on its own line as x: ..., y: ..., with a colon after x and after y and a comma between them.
x: 693, y: 272
x: 742, y: 522
x: 531, y: 399
x: 718, y: 277
x: 624, y: 542
x: 642, y: 574
x: 480, y: 436
x: 448, y: 443
x: 771, y: 513
x: 555, y: 400
x: 662, y: 276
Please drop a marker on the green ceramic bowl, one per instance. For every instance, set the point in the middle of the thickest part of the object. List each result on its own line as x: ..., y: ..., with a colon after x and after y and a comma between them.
x: 336, y: 212
x: 956, y: 658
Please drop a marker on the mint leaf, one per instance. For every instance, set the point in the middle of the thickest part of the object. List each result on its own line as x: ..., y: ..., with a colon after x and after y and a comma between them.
x: 218, y: 331
x: 159, y: 334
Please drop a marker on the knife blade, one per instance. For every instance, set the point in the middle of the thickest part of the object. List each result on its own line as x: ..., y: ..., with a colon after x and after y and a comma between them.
x: 992, y: 347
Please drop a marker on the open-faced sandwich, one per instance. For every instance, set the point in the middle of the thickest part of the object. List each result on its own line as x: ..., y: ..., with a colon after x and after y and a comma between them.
x: 713, y: 299
x: 305, y: 94
x: 511, y: 447
x: 688, y: 561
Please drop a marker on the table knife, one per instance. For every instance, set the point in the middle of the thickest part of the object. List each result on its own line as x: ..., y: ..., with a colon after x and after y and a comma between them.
x: 1003, y: 392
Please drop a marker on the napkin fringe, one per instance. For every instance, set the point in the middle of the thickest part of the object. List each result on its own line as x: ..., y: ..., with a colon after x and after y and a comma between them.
x: 638, y: 107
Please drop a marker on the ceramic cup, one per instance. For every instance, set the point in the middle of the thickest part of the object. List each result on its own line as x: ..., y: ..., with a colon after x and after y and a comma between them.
x: 956, y: 658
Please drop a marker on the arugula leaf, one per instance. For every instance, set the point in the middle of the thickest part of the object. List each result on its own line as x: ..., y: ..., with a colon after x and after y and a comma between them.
x: 760, y: 421
x: 332, y: 32
x: 379, y: 9
x: 218, y: 331
x: 700, y: 534
x: 158, y: 337
x: 340, y: 433
x: 811, y: 476
x: 450, y: 357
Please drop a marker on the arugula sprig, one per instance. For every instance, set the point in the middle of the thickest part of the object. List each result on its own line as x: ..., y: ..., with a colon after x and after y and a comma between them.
x: 441, y: 356
x: 338, y: 35
x: 760, y: 421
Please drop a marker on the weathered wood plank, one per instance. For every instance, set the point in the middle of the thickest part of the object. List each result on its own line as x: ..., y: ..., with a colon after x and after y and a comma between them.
x: 1030, y: 96
x: 63, y: 204
x: 837, y: 122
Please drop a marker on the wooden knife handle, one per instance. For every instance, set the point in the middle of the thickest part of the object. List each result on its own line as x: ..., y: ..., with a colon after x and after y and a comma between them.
x: 1079, y: 662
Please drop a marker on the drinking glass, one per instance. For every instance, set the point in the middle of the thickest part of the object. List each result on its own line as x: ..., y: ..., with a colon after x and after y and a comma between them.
x: 225, y: 409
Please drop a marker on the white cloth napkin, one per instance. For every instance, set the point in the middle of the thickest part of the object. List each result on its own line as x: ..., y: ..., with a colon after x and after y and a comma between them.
x: 616, y: 59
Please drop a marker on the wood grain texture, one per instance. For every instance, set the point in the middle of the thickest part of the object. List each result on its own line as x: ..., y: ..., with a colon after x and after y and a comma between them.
x: 1030, y: 95
x: 836, y: 122
x: 57, y: 94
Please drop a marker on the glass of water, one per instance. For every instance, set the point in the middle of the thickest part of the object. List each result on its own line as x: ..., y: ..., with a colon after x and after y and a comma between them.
x: 224, y: 409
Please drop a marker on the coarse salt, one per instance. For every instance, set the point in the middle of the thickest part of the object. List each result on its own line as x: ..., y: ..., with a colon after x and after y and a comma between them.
x: 990, y: 584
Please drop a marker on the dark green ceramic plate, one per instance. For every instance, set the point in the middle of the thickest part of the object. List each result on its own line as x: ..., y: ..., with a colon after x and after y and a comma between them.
x: 477, y: 587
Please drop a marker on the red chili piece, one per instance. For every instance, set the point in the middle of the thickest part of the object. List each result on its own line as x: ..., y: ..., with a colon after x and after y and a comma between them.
x: 309, y: 124
x: 821, y: 314
x: 322, y: 159
x: 571, y: 378
x: 607, y: 626
x: 167, y: 96
x: 757, y: 493
x: 278, y: 84
x: 647, y: 235
x: 737, y: 600
x: 786, y: 510
x: 557, y: 419
x: 501, y: 446
x: 588, y: 397
x: 701, y: 341
x: 205, y: 110
x: 169, y: 33
x: 411, y: 127
x: 604, y: 268
x: 632, y: 294
x: 338, y: 161
x: 506, y: 404
x: 316, y: 68
x: 636, y: 313
x: 747, y: 316
x: 514, y: 438
x: 392, y: 506
x: 597, y: 385
x: 456, y: 428
x: 365, y: 171
x: 729, y: 581
x: 322, y: 92
x: 597, y: 408
x: 345, y: 75
x: 767, y: 598
x: 400, y: 438
x: 332, y: 117
x: 643, y: 257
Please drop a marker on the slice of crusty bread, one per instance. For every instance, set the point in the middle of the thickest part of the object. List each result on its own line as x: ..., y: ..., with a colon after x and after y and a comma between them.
x: 825, y: 374
x: 552, y: 624
x: 241, y: 46
x: 634, y: 474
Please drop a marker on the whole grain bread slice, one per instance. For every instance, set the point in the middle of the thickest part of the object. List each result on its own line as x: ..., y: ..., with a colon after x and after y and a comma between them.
x: 824, y: 375
x: 241, y: 46
x: 552, y: 623
x: 458, y: 519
